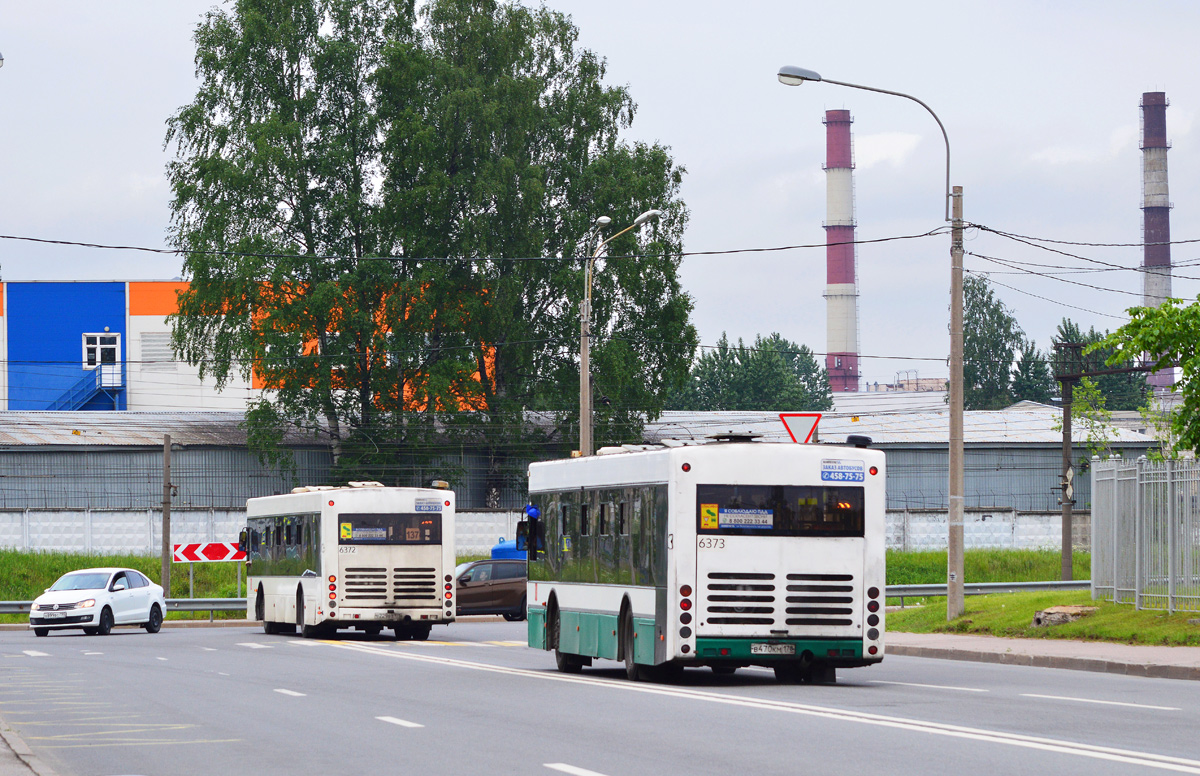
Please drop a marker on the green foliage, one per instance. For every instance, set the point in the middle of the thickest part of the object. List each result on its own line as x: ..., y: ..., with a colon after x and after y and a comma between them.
x: 1011, y: 615
x: 351, y: 176
x: 1122, y: 391
x: 1089, y: 411
x: 773, y: 374
x: 991, y: 337
x: 1031, y: 380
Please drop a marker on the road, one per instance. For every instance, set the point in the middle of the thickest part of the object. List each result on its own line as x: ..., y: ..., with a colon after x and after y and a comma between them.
x: 474, y: 700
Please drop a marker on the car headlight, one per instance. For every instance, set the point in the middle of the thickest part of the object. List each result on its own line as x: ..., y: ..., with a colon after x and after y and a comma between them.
x: 88, y: 604
x: 35, y: 608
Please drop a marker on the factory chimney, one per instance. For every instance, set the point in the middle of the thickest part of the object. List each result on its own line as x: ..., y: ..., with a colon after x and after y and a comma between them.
x: 841, y: 287
x: 1156, y: 214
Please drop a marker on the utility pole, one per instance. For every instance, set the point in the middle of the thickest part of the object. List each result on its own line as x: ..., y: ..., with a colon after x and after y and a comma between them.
x: 166, y: 517
x: 585, y: 370
x: 955, y: 603
x: 1067, y: 492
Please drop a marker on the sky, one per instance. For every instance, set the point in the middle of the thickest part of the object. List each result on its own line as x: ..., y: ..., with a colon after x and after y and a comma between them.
x: 1039, y: 99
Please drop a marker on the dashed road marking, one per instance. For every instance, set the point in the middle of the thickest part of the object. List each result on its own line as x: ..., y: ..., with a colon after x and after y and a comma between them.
x: 1104, y: 703
x: 930, y: 686
x: 400, y: 722
x: 35, y: 653
x: 254, y: 645
x: 292, y: 693
x: 574, y: 770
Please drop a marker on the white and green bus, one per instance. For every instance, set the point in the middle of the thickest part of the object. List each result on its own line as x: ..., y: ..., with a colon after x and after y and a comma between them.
x: 726, y: 554
x: 364, y: 557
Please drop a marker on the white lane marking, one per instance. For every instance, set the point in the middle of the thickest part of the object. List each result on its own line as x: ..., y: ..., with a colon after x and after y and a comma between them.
x: 35, y: 653
x: 509, y: 643
x: 1111, y: 754
x: 571, y: 769
x: 1106, y: 703
x: 160, y: 658
x: 930, y: 686
x: 208, y: 649
x: 222, y: 673
x: 292, y: 693
x: 93, y: 653
x: 254, y: 645
x: 400, y: 722
x: 304, y: 643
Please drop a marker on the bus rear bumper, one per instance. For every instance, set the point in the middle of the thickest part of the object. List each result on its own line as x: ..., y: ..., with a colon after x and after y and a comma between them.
x: 846, y: 653
x: 352, y: 615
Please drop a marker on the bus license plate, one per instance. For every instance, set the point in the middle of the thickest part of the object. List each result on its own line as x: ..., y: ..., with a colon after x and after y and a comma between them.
x: 772, y: 649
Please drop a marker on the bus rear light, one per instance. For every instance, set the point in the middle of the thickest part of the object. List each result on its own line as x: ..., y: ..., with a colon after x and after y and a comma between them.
x: 872, y: 650
x: 332, y: 578
x: 448, y: 577
x: 872, y: 619
x: 874, y: 470
x: 685, y: 604
x: 333, y: 587
x: 448, y: 586
x: 724, y: 651
x: 685, y: 591
x: 447, y: 503
x: 833, y: 653
x: 685, y: 649
x: 872, y: 634
x: 872, y: 592
x: 685, y: 618
x: 330, y: 503
x: 684, y: 633
x: 332, y: 596
x: 449, y: 596
x: 872, y: 606
x: 687, y: 467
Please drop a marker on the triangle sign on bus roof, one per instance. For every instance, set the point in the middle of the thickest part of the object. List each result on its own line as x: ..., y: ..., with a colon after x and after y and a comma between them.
x: 801, y: 426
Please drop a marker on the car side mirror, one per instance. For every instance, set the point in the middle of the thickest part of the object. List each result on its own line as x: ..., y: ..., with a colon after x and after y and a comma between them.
x: 119, y: 585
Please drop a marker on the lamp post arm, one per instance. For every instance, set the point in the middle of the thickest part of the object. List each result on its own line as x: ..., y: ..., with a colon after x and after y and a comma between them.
x: 923, y: 105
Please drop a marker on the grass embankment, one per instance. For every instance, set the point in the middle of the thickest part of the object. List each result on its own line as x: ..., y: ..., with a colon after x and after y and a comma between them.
x: 25, y: 575
x: 1011, y: 614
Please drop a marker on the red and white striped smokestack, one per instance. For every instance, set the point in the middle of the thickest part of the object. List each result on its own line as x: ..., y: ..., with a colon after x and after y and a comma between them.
x: 1156, y: 213
x: 841, y: 287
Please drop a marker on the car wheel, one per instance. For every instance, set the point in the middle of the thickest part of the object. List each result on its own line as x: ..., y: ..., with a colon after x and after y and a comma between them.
x: 154, y: 624
x: 41, y: 631
x: 89, y: 631
x: 106, y: 622
x: 519, y: 614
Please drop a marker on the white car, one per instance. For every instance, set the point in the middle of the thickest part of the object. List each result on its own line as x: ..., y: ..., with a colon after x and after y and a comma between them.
x: 96, y: 600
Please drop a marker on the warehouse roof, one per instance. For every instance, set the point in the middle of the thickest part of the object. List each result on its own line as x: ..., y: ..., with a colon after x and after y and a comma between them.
x: 129, y: 429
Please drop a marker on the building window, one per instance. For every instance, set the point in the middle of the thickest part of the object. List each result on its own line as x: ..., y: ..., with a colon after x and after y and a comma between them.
x: 100, y: 349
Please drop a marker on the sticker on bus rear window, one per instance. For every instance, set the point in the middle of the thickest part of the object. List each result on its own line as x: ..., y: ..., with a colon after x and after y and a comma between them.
x: 347, y: 530
x: 428, y: 505
x: 709, y: 517
x: 833, y: 470
x: 746, y: 518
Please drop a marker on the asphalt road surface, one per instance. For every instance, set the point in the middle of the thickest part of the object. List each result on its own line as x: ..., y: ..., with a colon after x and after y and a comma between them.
x: 474, y: 700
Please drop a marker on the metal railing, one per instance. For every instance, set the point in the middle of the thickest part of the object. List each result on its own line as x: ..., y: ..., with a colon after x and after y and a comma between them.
x: 1146, y: 533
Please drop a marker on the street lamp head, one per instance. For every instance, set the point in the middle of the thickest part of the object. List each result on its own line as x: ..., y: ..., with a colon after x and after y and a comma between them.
x: 602, y: 221
x: 791, y: 75
x: 644, y: 217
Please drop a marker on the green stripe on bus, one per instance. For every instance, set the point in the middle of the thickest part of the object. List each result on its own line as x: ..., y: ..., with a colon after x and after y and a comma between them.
x: 591, y: 633
x: 739, y: 649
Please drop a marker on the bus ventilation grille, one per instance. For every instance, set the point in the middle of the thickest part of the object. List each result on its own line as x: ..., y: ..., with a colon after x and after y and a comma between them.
x: 820, y: 599
x: 740, y: 598
x: 415, y: 584
x: 365, y: 583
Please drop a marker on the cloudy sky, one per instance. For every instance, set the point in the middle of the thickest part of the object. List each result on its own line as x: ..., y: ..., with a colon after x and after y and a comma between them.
x: 1040, y: 100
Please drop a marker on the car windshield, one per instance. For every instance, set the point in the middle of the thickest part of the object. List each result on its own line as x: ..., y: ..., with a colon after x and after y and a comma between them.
x: 94, y: 580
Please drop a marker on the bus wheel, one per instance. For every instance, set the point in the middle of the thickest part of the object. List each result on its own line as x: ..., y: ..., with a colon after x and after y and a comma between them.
x: 633, y: 670
x: 269, y: 627
x: 373, y: 630
x: 789, y: 673
x: 400, y: 632
x: 420, y: 632
x: 822, y: 674
x: 567, y: 663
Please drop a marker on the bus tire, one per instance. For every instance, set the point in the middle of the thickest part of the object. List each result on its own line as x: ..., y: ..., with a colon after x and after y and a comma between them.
x: 259, y: 606
x: 269, y: 627
x: 400, y: 632
x: 789, y: 673
x: 821, y: 673
x: 566, y: 662
x: 420, y: 632
x: 634, y: 671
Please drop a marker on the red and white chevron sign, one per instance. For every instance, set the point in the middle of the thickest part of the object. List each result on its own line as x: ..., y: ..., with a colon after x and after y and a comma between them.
x: 207, y: 552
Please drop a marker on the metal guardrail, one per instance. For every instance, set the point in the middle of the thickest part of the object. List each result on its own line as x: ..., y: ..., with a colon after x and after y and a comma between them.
x: 984, y: 588
x: 211, y: 605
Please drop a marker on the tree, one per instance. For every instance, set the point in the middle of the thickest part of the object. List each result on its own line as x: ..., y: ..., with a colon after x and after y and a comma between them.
x: 1031, y: 380
x: 1169, y: 336
x: 774, y: 374
x: 990, y: 338
x: 1120, y: 391
x: 356, y: 181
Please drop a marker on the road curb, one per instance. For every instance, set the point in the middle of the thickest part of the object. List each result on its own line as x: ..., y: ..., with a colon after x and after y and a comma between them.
x: 1052, y: 661
x: 23, y: 752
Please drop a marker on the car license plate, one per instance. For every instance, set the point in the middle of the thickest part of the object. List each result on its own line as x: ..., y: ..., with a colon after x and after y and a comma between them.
x: 772, y: 649
x: 54, y: 615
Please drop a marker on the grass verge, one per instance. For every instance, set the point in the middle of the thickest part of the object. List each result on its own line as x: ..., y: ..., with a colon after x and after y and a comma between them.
x: 929, y: 567
x: 1011, y: 615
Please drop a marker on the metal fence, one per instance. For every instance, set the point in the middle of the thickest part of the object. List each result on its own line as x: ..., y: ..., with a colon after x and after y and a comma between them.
x: 1146, y: 533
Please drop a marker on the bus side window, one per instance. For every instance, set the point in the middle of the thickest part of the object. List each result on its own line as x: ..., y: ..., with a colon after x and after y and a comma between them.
x: 583, y: 520
x: 564, y: 520
x: 602, y: 526
x: 622, y: 521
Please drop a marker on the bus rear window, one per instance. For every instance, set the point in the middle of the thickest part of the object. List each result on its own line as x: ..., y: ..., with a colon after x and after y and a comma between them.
x: 374, y: 528
x: 779, y: 510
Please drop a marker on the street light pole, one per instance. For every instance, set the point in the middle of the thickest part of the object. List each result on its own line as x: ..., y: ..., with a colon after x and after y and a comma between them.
x: 955, y: 605
x: 586, y: 445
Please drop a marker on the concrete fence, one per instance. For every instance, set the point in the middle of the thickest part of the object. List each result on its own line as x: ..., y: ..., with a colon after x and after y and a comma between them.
x: 139, y: 532
x: 1005, y: 529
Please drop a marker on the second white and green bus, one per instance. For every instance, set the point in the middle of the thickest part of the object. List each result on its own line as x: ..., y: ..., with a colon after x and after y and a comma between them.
x: 726, y: 554
x: 365, y: 557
